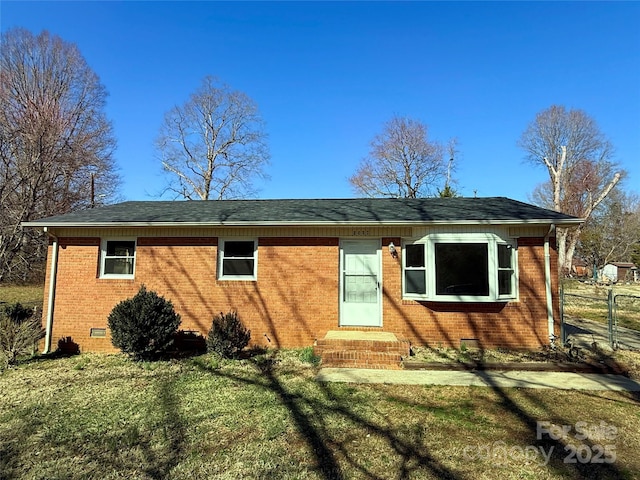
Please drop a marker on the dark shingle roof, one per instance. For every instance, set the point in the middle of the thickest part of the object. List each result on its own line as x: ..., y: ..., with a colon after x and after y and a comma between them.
x: 311, y: 212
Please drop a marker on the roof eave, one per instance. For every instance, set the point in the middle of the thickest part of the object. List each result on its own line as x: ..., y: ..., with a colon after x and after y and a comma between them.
x: 511, y: 222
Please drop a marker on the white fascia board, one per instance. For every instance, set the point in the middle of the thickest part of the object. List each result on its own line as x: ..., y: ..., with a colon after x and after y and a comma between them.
x: 563, y: 223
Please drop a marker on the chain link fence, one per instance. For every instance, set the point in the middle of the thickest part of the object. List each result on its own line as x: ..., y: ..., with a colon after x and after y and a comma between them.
x: 626, y: 311
x: 603, y: 316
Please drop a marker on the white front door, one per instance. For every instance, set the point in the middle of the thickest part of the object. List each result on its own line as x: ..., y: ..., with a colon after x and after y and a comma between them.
x: 360, y: 283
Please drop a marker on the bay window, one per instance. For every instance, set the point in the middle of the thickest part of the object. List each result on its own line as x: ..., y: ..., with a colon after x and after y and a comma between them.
x: 463, y: 267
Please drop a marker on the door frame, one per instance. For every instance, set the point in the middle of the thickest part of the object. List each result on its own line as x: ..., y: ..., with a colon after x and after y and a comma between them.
x: 342, y: 321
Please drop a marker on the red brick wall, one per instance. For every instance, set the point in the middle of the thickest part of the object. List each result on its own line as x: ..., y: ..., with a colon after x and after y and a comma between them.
x: 295, y: 299
x: 517, y: 324
x: 295, y: 296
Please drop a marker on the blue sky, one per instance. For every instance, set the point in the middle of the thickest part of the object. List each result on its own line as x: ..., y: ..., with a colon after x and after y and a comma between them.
x: 326, y: 76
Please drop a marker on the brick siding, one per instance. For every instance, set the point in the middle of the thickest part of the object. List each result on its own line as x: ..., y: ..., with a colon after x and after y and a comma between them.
x: 295, y: 299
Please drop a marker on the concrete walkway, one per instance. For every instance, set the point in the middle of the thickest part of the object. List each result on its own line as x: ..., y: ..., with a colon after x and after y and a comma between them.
x: 512, y: 379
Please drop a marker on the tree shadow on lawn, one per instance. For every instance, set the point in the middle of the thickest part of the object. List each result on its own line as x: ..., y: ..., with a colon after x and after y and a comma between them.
x: 317, y: 417
x: 128, y: 450
x: 311, y: 416
x: 569, y: 453
x: 174, y: 433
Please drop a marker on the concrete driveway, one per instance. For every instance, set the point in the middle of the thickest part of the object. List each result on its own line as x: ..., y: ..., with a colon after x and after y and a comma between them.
x: 585, y: 332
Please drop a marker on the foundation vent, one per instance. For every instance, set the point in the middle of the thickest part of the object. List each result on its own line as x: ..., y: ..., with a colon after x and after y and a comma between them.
x: 98, y: 333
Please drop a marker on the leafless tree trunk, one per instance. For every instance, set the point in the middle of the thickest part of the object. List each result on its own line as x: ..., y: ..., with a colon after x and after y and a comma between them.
x: 578, y: 157
x: 612, y: 231
x: 53, y: 137
x: 403, y: 162
x: 214, y: 146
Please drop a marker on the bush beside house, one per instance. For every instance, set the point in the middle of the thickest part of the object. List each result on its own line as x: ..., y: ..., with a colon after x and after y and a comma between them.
x: 228, y: 336
x: 144, y: 326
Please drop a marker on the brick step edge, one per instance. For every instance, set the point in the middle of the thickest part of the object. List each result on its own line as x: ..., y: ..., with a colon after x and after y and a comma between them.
x: 361, y: 354
x: 355, y: 363
x: 361, y: 359
x: 583, y: 367
x: 363, y: 345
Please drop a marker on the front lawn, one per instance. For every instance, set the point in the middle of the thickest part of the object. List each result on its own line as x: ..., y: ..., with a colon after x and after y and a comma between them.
x: 106, y: 417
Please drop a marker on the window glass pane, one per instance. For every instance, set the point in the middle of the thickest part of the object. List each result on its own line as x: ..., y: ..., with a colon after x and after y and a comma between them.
x: 504, y: 282
x: 414, y: 282
x: 238, y: 249
x: 120, y: 248
x: 462, y: 269
x: 360, y: 288
x: 504, y: 256
x: 414, y: 255
x: 239, y: 266
x: 118, y: 266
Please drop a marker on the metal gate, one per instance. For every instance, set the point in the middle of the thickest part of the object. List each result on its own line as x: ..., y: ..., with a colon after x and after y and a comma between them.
x: 601, y: 318
x: 626, y: 319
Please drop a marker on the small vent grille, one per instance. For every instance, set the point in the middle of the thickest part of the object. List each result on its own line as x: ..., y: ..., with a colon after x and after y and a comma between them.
x: 469, y: 343
x: 98, y: 332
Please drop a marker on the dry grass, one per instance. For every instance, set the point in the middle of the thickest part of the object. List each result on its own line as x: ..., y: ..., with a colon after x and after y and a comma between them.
x: 628, y: 361
x: 99, y: 416
x: 449, y: 355
x: 29, y: 295
x: 599, y: 289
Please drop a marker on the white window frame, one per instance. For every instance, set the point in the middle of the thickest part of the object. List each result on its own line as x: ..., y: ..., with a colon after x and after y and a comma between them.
x: 221, y: 258
x: 414, y: 296
x: 514, y: 269
x: 490, y: 239
x: 103, y: 257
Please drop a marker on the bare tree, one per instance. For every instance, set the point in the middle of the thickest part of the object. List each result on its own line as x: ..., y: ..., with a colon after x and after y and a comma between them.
x: 214, y: 146
x: 55, y: 142
x: 613, y: 230
x: 578, y: 157
x: 403, y: 162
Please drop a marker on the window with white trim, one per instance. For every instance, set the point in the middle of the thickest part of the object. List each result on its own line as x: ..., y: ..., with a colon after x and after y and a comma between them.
x: 415, y: 269
x: 238, y: 260
x: 459, y: 268
x: 117, y: 258
x: 506, y: 271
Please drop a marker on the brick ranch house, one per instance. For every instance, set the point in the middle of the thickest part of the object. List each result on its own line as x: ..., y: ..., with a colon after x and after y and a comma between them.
x: 434, y: 271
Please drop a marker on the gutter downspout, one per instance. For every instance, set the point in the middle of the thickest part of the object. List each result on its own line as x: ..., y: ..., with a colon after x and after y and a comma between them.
x: 53, y: 273
x: 547, y: 281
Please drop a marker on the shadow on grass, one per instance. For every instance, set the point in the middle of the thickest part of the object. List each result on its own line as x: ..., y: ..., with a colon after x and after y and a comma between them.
x: 311, y: 416
x: 95, y: 445
x: 173, y: 433
x: 561, y: 447
x: 326, y: 419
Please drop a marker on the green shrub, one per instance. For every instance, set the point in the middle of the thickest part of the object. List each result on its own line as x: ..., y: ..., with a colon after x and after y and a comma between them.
x: 143, y: 326
x: 307, y: 355
x: 20, y: 331
x: 228, y: 336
